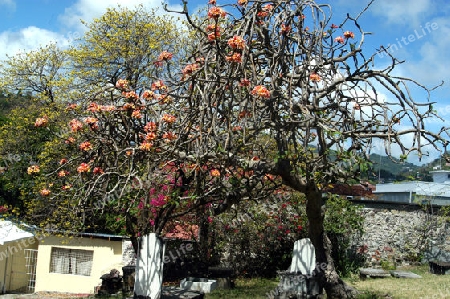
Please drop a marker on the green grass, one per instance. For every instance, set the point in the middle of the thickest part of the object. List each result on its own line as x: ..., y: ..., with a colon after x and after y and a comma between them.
x: 429, y: 286
x: 254, y: 288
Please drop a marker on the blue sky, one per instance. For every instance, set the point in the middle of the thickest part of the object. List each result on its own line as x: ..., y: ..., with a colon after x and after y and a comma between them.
x: 419, y: 31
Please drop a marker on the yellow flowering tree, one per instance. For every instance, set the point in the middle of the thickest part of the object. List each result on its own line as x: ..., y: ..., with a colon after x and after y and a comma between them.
x: 33, y: 85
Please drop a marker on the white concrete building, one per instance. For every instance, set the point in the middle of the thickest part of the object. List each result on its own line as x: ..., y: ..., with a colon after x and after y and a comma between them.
x: 417, y: 192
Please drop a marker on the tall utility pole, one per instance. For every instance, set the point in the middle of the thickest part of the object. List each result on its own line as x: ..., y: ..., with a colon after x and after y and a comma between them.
x: 379, y: 171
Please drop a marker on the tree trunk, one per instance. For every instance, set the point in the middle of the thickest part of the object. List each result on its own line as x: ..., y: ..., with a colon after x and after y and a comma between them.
x: 149, y: 268
x: 330, y: 280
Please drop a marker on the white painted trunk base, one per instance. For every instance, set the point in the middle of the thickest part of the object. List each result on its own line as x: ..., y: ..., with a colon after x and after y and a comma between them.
x: 149, y: 267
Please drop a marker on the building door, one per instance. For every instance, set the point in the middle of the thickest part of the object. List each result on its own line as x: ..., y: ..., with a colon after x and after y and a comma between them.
x: 30, y: 262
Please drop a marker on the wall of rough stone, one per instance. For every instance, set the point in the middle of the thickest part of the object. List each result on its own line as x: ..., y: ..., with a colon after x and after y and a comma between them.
x: 403, y: 236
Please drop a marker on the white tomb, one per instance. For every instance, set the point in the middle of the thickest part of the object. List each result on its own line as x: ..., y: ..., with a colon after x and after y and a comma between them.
x: 303, y: 257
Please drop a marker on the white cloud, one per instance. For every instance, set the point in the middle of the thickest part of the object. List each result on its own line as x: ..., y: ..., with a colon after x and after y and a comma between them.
x: 87, y: 10
x: 404, y: 11
x: 10, y: 4
x: 27, y: 39
x: 31, y: 38
x: 432, y: 65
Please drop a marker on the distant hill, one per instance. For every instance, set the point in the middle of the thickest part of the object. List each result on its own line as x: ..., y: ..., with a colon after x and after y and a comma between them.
x: 385, y: 169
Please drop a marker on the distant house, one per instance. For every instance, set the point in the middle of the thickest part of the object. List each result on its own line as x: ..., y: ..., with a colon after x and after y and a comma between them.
x: 75, y: 264
x: 357, y: 191
x: 435, y: 193
x: 18, y: 251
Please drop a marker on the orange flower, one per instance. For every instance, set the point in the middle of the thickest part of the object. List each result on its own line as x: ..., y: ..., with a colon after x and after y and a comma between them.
x: 159, y: 85
x: 150, y: 136
x: 315, y: 77
x: 45, y: 192
x: 236, y: 42
x: 213, y: 36
x: 349, y: 34
x: 285, y: 29
x: 339, y: 39
x: 168, y: 118
x: 71, y: 106
x: 122, y: 84
x: 244, y: 82
x: 213, y: 32
x: 128, y: 106
x: 151, y: 127
x: 212, y: 28
x: 85, y: 146
x: 261, y: 91
x: 98, y: 170
x: 147, y: 94
x: 190, y: 68
x: 265, y: 11
x: 41, y: 121
x: 62, y: 161
x: 169, y: 136
x: 244, y: 114
x: 242, y: 2
x: 93, y: 107
x: 215, y: 173
x: 216, y: 12
x: 268, y: 7
x: 92, y: 122
x: 84, y: 167
x: 212, y: 2
x: 236, y: 57
x: 165, y: 56
x: 76, y: 125
x: 164, y: 99
x: 108, y: 108
x: 63, y: 173
x: 70, y: 140
x: 130, y: 95
x: 145, y: 146
x: 33, y: 169
x: 66, y: 187
x: 136, y: 114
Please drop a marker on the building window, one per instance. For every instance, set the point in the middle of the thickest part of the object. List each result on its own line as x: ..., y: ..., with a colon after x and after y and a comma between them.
x: 71, y: 261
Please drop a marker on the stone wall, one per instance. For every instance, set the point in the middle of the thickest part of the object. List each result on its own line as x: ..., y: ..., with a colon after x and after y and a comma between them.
x: 403, y: 236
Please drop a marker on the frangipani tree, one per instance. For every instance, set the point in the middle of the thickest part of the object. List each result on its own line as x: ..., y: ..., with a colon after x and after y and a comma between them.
x: 275, y: 77
x: 281, y: 70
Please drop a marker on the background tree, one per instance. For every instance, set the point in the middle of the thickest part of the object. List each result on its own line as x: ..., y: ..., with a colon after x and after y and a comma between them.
x: 33, y: 91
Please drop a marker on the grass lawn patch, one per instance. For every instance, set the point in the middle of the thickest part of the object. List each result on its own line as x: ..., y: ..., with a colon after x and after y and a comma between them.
x: 429, y: 286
